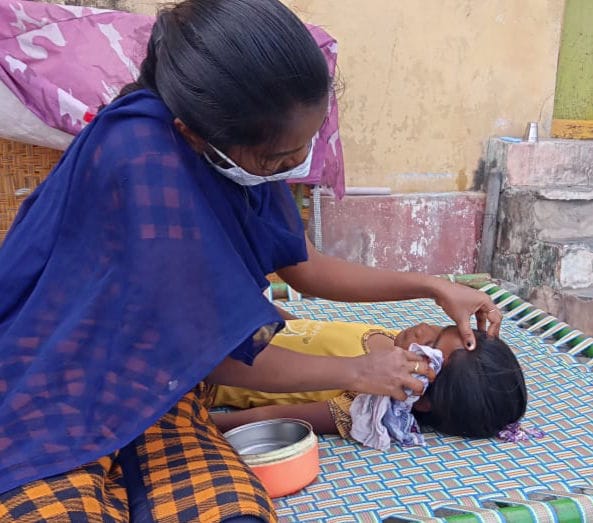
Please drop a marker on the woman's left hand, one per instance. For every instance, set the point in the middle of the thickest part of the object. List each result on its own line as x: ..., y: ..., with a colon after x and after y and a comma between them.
x: 461, y: 303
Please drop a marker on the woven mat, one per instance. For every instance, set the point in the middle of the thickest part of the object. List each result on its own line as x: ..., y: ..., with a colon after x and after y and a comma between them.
x: 22, y: 168
x: 359, y: 484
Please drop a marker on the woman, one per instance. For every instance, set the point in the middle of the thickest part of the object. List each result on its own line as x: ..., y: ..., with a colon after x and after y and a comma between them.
x: 136, y: 270
x: 476, y: 394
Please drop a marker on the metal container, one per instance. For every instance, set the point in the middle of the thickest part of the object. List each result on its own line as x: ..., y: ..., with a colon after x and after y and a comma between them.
x: 283, y: 453
x: 531, y: 133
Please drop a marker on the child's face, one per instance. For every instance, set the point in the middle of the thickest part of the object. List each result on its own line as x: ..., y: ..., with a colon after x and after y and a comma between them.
x: 446, y: 339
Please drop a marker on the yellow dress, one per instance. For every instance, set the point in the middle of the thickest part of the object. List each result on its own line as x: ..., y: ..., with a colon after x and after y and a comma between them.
x: 319, y: 338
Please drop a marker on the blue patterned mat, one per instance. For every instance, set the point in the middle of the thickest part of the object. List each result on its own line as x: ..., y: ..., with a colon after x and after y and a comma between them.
x: 358, y: 484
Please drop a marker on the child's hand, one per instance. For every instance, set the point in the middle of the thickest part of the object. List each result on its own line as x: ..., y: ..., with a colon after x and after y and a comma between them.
x: 389, y: 371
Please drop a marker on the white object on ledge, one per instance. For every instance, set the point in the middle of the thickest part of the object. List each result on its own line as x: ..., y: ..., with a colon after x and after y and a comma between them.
x: 368, y: 191
x: 360, y: 191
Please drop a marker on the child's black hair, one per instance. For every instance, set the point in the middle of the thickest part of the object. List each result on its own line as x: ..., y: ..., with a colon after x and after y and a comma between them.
x: 477, y: 393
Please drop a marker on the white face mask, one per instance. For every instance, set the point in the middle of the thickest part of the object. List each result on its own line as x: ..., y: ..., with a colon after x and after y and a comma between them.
x: 242, y: 177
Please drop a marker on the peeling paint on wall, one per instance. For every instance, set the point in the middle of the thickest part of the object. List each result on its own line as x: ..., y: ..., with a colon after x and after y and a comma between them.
x: 434, y: 233
x: 426, y: 83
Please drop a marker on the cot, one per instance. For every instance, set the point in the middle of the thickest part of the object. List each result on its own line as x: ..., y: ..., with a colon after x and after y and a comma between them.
x: 457, y: 480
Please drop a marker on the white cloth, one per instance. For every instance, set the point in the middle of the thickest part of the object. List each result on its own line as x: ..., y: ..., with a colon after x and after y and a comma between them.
x: 377, y: 420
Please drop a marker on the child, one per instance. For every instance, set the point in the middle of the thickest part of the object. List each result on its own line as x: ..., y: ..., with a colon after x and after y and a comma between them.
x: 476, y: 394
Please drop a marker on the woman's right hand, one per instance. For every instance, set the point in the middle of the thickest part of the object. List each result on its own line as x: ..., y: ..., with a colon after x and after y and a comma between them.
x: 388, y: 371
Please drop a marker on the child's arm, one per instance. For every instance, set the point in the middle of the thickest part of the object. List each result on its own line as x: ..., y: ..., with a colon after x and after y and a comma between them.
x: 317, y: 414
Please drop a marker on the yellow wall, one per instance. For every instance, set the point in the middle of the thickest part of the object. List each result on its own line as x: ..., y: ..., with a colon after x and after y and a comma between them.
x: 427, y: 81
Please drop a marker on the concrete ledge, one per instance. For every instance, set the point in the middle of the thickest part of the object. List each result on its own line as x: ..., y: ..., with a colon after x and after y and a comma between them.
x: 572, y: 306
x: 545, y: 163
x: 529, y: 214
x: 545, y: 228
x: 428, y: 232
x: 562, y: 264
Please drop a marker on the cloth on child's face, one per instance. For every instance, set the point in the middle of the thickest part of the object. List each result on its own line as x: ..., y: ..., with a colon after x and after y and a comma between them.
x: 367, y: 412
x: 446, y: 339
x: 377, y: 420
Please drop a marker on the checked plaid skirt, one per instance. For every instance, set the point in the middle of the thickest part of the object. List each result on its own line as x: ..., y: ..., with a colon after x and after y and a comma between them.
x: 181, y: 469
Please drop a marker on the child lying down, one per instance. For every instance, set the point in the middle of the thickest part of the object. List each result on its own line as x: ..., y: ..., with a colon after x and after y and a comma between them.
x: 477, y: 394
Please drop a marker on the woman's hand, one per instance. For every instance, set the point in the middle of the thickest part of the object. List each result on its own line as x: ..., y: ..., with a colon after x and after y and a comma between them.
x: 461, y: 303
x: 385, y: 370
x: 327, y: 277
x: 388, y: 371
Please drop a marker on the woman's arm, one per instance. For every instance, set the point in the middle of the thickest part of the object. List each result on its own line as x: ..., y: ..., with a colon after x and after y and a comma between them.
x: 387, y: 371
x: 317, y: 414
x: 334, y: 279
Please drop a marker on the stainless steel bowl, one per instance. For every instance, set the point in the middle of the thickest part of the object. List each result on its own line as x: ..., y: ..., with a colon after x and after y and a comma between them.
x: 282, y: 453
x: 270, y: 437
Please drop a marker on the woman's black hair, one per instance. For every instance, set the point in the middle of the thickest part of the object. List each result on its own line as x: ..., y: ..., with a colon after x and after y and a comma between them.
x: 233, y: 70
x: 477, y: 393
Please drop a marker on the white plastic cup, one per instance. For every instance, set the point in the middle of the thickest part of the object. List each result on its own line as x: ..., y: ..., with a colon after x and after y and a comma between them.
x: 531, y: 132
